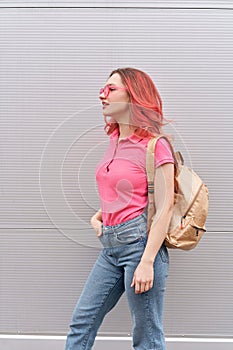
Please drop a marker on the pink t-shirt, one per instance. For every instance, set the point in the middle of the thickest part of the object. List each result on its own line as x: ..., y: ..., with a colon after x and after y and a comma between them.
x: 121, y: 176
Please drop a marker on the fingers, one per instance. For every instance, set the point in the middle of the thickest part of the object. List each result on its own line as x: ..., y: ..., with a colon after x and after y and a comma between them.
x: 97, y: 226
x: 141, y: 287
x: 133, y: 282
x: 99, y: 234
x: 99, y: 230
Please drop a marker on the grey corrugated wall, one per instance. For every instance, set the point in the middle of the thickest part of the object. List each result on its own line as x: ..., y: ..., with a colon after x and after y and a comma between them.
x: 53, y: 62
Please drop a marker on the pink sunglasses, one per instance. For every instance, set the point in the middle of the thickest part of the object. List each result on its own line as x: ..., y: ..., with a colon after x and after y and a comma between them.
x: 107, y: 88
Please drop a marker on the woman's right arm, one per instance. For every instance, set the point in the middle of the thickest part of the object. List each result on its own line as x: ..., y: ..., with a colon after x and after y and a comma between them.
x: 96, y: 222
x: 99, y: 214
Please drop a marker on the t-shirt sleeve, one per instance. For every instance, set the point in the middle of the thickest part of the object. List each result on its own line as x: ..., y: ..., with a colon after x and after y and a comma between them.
x: 163, y: 153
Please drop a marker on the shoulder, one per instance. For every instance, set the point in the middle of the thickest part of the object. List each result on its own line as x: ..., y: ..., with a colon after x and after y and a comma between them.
x: 163, y: 152
x: 163, y: 144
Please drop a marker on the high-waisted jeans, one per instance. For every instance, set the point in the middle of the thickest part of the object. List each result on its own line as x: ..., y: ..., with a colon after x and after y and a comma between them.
x: 111, y: 276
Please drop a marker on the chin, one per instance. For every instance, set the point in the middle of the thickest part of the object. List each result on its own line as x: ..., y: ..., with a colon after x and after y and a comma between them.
x: 106, y: 114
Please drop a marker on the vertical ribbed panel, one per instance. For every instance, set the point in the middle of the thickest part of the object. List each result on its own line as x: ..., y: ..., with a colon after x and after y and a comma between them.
x: 53, y: 62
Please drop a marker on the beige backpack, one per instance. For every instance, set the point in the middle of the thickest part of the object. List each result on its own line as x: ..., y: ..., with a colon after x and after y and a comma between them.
x: 191, y: 201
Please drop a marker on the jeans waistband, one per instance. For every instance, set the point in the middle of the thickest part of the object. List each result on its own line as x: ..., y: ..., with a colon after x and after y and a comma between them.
x: 126, y: 224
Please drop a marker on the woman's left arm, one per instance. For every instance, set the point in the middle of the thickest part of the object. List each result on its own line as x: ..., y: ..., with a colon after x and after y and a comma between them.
x: 164, y: 203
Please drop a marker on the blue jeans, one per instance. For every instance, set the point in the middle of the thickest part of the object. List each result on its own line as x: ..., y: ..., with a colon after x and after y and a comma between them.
x: 111, y: 276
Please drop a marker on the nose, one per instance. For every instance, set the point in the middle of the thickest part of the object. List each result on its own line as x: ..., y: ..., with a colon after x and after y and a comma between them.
x: 101, y: 96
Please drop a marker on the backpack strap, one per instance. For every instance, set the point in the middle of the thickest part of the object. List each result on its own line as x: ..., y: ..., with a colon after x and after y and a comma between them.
x: 150, y: 171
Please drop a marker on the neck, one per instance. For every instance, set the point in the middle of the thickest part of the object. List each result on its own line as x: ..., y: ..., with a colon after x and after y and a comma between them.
x: 124, y: 131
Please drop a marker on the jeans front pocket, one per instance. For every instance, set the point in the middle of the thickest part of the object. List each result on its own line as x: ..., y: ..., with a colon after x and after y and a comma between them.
x: 163, y: 251
x: 129, y: 235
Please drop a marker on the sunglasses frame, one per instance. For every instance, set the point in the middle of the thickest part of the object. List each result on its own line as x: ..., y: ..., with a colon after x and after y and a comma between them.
x: 107, y: 88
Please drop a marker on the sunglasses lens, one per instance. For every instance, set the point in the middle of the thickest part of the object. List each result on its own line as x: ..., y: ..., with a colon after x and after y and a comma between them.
x: 104, y: 90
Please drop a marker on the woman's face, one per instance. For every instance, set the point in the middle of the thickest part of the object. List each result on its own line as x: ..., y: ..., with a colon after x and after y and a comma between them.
x: 116, y: 104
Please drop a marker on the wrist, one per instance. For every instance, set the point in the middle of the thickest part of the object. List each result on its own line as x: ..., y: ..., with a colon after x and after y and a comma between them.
x: 94, y: 218
x: 147, y: 261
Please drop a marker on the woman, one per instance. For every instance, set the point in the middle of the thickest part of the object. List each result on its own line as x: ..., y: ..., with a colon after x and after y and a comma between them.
x: 131, y: 261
